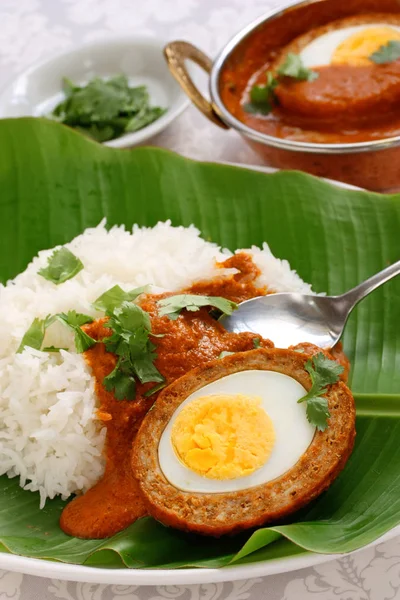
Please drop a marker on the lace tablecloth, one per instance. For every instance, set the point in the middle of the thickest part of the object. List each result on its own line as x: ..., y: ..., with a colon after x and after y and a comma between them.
x: 33, y: 29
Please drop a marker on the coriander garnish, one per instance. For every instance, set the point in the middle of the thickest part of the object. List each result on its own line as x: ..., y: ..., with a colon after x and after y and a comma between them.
x: 53, y: 349
x: 61, y: 266
x: 172, y: 306
x: 106, y: 109
x: 293, y: 67
x: 34, y: 336
x: 263, y: 97
x: 74, y: 321
x: 323, y: 372
x: 387, y: 53
x: 155, y: 389
x: 115, y: 296
x: 130, y: 341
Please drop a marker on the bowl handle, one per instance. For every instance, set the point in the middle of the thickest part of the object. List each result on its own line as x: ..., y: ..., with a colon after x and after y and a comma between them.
x: 176, y: 53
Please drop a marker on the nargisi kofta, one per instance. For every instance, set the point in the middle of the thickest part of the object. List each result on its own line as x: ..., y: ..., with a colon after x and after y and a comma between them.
x: 228, y: 446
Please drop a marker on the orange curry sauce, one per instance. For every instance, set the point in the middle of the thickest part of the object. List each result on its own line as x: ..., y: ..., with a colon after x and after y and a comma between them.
x: 189, y: 342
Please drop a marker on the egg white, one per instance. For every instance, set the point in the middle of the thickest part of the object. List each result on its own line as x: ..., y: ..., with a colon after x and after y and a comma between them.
x: 319, y: 52
x: 279, y: 394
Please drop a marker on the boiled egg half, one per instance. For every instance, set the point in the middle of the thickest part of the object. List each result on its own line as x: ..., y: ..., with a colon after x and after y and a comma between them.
x: 348, y: 45
x: 237, y: 432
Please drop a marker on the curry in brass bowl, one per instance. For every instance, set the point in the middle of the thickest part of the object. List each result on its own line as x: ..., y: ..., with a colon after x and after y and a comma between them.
x: 315, y: 87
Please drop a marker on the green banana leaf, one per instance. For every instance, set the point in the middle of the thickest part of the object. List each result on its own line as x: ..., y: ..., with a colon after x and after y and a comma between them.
x: 54, y: 183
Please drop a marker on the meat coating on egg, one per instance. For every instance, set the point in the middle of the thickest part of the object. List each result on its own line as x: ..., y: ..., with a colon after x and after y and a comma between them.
x: 217, y: 514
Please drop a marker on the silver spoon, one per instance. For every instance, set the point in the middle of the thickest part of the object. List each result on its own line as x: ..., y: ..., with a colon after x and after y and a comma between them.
x: 290, y: 318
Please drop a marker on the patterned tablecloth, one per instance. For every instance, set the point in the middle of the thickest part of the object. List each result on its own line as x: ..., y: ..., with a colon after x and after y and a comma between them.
x: 33, y: 29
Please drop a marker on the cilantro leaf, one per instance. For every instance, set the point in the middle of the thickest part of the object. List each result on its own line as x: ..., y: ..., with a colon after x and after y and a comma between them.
x: 154, y: 389
x: 317, y: 412
x: 74, y: 321
x: 68, y: 87
x: 34, y: 336
x: 143, y: 118
x: 130, y: 322
x: 105, y: 109
x: 53, y: 349
x: 323, y: 372
x: 257, y: 109
x: 146, y: 371
x: 172, y: 306
x: 293, y: 67
x: 130, y: 341
x: 263, y: 97
x: 387, y: 53
x: 259, y: 94
x: 115, y: 296
x: 83, y: 341
x: 129, y: 317
x: 256, y: 343
x: 98, y: 101
x: 139, y: 343
x: 123, y: 385
x: 61, y: 266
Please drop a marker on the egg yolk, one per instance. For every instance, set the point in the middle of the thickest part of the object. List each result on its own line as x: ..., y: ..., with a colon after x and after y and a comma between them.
x: 223, y: 436
x: 357, y: 48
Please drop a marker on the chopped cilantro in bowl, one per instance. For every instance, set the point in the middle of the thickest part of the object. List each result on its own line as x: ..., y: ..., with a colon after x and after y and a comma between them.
x: 106, y: 109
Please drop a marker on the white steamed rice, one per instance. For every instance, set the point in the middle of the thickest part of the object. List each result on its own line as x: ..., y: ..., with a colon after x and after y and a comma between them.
x: 49, y: 435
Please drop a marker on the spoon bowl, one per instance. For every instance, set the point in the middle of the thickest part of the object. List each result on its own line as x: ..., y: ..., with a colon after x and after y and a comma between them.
x: 290, y: 318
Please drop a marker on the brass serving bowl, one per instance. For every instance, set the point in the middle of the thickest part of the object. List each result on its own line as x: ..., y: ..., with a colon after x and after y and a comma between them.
x: 373, y: 165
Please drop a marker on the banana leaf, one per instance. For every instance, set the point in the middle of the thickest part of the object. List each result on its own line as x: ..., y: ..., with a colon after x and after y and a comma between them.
x: 54, y: 183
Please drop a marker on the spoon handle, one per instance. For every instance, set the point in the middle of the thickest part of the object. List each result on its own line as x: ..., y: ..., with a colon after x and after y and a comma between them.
x: 352, y: 297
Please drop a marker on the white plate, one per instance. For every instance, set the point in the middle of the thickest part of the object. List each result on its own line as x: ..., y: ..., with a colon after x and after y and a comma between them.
x: 55, y: 570
x: 36, y: 91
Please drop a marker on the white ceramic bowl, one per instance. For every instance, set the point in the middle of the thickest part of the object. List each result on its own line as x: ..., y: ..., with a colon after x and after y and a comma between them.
x: 36, y: 91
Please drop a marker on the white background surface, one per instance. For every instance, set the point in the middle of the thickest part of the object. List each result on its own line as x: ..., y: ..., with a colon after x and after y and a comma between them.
x: 33, y: 29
